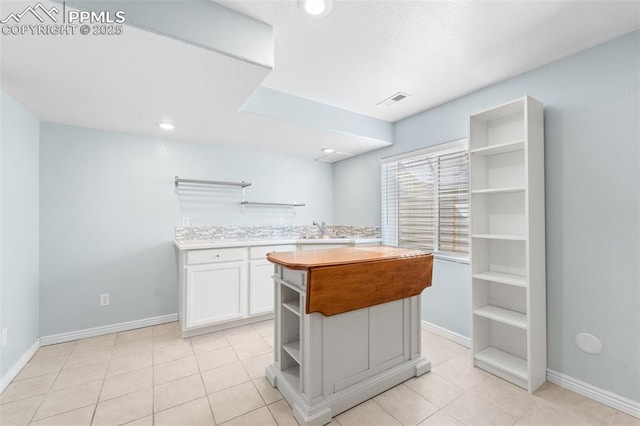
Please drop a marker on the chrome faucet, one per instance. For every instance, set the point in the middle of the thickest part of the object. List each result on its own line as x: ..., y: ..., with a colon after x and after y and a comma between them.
x: 322, y: 227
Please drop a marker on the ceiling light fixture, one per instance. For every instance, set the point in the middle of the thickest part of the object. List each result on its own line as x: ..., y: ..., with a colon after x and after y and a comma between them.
x: 316, y: 8
x: 328, y: 150
x: 166, y: 126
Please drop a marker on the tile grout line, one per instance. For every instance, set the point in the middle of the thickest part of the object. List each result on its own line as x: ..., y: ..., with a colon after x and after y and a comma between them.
x: 206, y: 394
x: 44, y: 396
x: 104, y: 379
x: 248, y: 375
x: 261, y: 397
x: 272, y: 351
x: 59, y: 390
x: 466, y: 392
x: 121, y: 374
x: 457, y: 398
x: 250, y: 411
x: 381, y: 407
x: 517, y: 419
x: 153, y: 377
x: 421, y: 396
x: 153, y: 366
x: 52, y: 382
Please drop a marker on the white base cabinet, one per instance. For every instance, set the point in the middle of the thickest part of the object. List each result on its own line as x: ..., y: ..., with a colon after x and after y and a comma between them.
x: 215, y: 292
x: 261, y: 278
x: 225, y: 287
x: 325, y: 365
x: 261, y: 287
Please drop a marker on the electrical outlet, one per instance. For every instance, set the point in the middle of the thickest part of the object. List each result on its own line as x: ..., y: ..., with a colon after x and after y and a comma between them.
x: 104, y: 299
x: 5, y: 336
x: 281, y: 220
x: 185, y: 220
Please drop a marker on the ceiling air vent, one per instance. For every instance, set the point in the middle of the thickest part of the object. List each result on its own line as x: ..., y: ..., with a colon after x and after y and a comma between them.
x: 333, y: 157
x: 393, y: 99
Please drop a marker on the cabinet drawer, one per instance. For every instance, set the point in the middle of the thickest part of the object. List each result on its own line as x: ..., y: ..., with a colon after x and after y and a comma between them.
x: 295, y: 278
x: 195, y: 257
x: 260, y: 252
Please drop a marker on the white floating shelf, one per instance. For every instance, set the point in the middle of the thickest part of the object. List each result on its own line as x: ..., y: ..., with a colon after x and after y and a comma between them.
x: 506, y: 362
x: 178, y: 181
x: 244, y: 204
x: 500, y: 148
x: 505, y: 316
x: 502, y: 278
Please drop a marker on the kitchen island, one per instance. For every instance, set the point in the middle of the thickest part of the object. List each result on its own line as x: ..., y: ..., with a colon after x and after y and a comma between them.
x: 347, y: 326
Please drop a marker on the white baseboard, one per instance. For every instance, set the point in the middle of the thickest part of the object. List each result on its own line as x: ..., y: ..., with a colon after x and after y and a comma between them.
x: 447, y: 334
x: 18, y: 366
x: 605, y: 397
x: 106, y: 329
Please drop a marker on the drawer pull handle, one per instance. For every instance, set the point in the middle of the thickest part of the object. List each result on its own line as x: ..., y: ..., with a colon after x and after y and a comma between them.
x: 217, y: 255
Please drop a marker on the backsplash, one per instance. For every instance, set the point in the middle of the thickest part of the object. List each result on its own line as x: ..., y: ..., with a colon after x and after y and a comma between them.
x: 270, y: 232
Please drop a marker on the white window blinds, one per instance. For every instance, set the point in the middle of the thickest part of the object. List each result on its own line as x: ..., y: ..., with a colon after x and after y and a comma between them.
x: 425, y: 199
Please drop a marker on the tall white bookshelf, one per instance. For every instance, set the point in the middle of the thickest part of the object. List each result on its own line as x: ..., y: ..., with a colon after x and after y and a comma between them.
x: 506, y: 177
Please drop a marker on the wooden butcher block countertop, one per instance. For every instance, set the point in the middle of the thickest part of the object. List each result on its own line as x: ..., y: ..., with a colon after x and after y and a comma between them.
x: 345, y: 279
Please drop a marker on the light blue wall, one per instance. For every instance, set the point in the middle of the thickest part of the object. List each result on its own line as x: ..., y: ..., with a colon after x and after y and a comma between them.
x: 447, y: 303
x: 592, y: 160
x: 108, y: 210
x: 19, y: 132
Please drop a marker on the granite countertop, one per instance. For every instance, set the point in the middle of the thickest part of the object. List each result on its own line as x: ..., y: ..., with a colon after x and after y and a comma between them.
x: 209, y: 244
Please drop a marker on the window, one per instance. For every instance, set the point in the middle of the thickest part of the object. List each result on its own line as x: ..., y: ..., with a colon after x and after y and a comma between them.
x: 425, y: 200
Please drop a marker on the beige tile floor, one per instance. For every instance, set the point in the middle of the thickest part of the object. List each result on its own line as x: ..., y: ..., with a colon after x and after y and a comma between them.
x: 151, y: 376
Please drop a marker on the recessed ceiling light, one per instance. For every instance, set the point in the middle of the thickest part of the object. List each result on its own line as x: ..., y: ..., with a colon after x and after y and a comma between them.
x: 316, y: 8
x: 328, y: 150
x: 166, y: 126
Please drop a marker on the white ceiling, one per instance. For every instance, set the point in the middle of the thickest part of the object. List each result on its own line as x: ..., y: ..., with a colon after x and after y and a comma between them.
x: 361, y: 53
x: 365, y: 51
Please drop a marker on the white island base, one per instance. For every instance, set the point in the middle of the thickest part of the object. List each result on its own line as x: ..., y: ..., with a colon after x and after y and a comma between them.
x: 325, y: 365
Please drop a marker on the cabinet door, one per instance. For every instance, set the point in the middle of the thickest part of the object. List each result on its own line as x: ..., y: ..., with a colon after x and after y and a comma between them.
x: 260, y: 287
x: 215, y: 293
